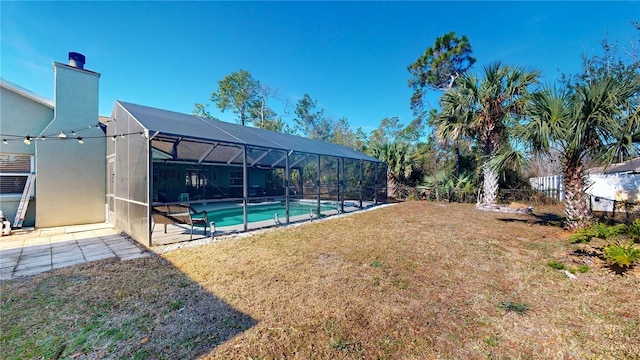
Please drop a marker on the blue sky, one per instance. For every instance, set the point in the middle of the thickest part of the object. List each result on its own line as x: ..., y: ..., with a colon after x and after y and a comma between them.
x: 349, y: 56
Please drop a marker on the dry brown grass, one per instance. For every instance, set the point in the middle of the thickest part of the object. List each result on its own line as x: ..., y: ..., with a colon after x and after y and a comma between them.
x: 415, y: 280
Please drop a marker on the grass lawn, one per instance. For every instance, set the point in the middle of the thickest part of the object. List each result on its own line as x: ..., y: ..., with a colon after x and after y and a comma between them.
x: 415, y: 280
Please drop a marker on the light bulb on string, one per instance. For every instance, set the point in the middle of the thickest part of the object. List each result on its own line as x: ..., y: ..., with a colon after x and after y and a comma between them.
x: 80, y: 140
x: 27, y: 140
x: 114, y: 137
x: 4, y: 141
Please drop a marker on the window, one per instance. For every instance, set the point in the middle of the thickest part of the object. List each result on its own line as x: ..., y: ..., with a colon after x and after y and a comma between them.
x: 235, y: 178
x: 196, y: 178
x: 14, y: 170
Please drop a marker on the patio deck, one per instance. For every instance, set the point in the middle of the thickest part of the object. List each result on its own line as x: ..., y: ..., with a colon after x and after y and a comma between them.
x: 30, y: 252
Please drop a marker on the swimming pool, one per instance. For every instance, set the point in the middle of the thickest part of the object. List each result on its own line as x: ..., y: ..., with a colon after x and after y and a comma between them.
x: 230, y: 216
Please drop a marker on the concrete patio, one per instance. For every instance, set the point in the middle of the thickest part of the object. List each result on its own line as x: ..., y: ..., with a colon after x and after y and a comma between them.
x: 27, y: 253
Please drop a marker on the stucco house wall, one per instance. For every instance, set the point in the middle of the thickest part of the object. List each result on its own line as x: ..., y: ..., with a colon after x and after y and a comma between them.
x: 70, y: 177
x: 21, y: 112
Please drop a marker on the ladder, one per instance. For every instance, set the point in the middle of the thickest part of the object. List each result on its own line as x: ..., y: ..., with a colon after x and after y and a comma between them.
x: 24, y: 201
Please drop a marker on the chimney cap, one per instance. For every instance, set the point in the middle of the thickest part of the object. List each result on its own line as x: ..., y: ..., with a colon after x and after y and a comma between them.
x: 76, y: 60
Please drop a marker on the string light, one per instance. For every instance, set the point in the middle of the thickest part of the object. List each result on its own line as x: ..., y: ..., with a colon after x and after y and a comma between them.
x: 6, y: 138
x: 66, y: 134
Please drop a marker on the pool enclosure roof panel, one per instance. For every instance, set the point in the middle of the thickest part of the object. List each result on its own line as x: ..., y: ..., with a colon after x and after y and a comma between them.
x: 174, y: 124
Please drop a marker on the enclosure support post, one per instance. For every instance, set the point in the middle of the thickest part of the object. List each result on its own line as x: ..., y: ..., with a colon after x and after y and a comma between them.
x: 343, y: 185
x: 245, y: 186
x: 360, y: 184
x: 149, y: 188
x: 375, y: 187
x: 318, y: 183
x: 337, y: 180
x: 286, y: 187
x: 339, y: 171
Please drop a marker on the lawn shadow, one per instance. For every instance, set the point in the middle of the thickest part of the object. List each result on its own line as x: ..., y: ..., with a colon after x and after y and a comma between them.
x: 195, y: 320
x: 619, y: 270
x: 141, y: 308
x: 546, y: 219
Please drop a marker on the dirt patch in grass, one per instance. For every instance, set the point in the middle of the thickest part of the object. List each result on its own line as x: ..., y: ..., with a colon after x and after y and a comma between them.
x: 414, y: 280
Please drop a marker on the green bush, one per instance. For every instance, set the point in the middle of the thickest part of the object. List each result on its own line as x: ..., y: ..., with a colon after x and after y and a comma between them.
x: 556, y: 265
x: 598, y: 230
x: 585, y: 235
x: 618, y: 254
x: 517, y: 307
x: 616, y: 230
x: 583, y: 269
x: 633, y: 231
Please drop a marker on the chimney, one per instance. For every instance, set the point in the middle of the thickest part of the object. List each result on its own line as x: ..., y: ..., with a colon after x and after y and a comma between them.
x: 76, y: 60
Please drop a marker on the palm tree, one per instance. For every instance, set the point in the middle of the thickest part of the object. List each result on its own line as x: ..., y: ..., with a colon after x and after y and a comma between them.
x: 595, y: 121
x: 453, y: 125
x: 489, y: 105
x: 401, y: 163
x: 465, y: 186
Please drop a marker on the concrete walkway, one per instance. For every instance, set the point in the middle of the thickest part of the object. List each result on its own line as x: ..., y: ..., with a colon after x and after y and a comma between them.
x: 27, y: 253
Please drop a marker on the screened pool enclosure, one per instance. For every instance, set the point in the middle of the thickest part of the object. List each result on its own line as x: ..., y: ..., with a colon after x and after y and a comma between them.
x: 242, y: 177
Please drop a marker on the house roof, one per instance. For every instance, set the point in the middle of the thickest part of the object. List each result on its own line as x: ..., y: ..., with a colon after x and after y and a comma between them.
x: 26, y: 93
x: 174, y: 124
x: 629, y: 166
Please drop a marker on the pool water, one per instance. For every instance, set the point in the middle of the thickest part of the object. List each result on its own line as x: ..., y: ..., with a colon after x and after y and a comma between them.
x: 260, y: 212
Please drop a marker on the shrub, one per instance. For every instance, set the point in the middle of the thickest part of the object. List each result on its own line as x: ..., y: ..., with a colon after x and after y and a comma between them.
x: 633, y: 231
x: 556, y: 265
x: 176, y: 305
x: 585, y: 235
x: 620, y: 255
x: 583, y: 269
x: 598, y: 230
x: 613, y: 231
x: 517, y: 307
